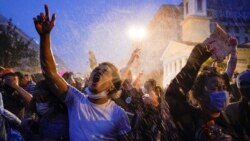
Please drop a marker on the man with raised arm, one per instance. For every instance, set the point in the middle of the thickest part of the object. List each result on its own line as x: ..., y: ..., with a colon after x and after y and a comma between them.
x: 91, y: 117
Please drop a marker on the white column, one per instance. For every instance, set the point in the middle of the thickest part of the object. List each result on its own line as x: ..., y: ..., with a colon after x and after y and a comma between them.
x: 179, y: 65
x: 165, y: 70
x: 172, y: 67
x: 183, y: 61
x: 169, y: 68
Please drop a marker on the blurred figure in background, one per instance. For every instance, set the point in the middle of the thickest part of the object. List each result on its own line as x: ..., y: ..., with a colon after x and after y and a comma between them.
x: 69, y: 78
x: 26, y: 82
x: 14, y: 96
x: 238, y: 113
x: 52, y: 116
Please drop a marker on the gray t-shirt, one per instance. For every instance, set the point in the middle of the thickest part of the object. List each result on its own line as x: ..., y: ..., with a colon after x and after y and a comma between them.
x: 90, y: 122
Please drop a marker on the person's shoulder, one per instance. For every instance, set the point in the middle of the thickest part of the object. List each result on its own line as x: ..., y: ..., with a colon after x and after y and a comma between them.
x: 232, y: 107
x: 232, y: 111
x: 115, y: 107
x: 72, y: 91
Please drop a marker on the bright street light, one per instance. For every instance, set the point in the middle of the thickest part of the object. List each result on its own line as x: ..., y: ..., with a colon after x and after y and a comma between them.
x: 137, y: 33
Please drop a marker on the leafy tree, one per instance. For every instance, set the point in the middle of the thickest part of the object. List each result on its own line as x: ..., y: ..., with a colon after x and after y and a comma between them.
x: 14, y: 51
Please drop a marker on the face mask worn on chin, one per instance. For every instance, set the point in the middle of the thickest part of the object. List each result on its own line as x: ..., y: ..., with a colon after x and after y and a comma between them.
x: 42, y: 108
x: 219, y: 100
x: 100, y: 95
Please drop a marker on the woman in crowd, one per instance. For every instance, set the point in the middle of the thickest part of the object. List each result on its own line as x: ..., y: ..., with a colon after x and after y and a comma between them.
x: 204, y: 122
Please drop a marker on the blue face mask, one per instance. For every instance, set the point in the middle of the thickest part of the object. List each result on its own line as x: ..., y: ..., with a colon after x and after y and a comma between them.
x: 42, y: 108
x: 219, y: 100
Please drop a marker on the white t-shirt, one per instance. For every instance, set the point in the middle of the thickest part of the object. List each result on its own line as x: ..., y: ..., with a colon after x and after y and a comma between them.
x: 90, y: 122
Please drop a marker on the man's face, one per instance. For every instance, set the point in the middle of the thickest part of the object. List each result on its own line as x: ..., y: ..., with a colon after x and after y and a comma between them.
x: 100, y: 79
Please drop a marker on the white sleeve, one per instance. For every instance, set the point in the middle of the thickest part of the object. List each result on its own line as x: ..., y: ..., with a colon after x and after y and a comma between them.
x: 73, y: 96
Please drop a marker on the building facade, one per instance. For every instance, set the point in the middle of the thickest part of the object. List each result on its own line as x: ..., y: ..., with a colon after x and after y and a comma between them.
x: 195, y: 22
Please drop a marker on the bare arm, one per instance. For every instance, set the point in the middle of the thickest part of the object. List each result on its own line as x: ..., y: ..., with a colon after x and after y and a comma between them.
x: 13, y: 82
x: 231, y: 64
x: 134, y: 55
x: 137, y: 82
x: 44, y: 26
x: 26, y: 95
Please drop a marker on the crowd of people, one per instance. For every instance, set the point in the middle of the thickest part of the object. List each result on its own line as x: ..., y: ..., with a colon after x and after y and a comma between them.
x: 198, y: 104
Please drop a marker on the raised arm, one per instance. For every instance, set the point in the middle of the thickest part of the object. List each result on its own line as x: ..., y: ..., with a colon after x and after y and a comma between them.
x: 133, y: 56
x: 12, y: 81
x: 137, y: 82
x: 184, y: 80
x: 44, y: 26
x: 231, y: 64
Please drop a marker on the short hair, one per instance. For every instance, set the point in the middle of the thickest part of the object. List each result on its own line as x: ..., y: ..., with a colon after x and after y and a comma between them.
x: 200, y: 82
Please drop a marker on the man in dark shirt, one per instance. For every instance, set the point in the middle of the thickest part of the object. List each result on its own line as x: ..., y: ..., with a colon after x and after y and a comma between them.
x: 14, y: 97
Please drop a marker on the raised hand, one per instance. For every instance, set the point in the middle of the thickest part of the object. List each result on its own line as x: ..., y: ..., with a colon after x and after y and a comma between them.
x: 43, y: 23
x: 207, y: 44
x: 233, y: 41
x: 136, y: 53
x: 12, y: 81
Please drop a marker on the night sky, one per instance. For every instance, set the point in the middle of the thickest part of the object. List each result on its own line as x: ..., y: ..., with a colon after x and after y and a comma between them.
x: 83, y: 25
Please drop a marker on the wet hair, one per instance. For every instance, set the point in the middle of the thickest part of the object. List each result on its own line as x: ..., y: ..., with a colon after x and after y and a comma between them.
x: 200, y: 82
x: 116, y: 79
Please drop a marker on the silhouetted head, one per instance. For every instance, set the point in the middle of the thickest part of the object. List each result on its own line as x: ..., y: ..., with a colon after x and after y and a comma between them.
x: 243, y: 83
x: 211, y: 92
